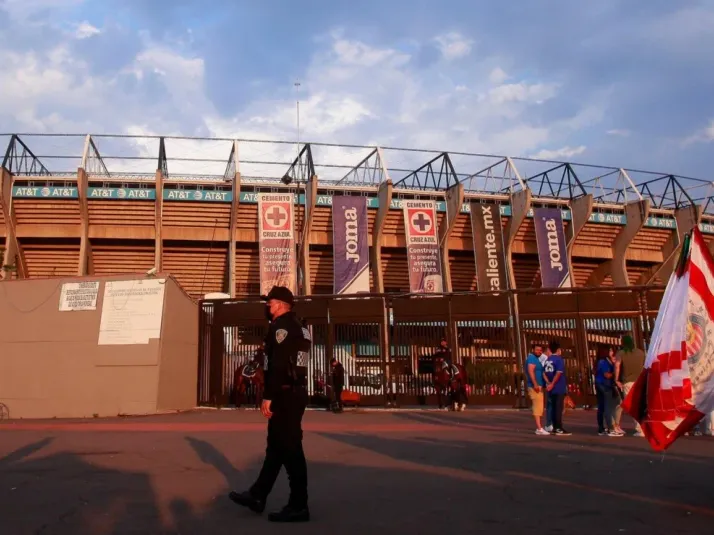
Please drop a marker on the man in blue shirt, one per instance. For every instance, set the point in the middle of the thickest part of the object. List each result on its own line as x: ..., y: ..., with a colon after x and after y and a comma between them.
x: 534, y: 381
x: 556, y: 386
x: 608, y: 397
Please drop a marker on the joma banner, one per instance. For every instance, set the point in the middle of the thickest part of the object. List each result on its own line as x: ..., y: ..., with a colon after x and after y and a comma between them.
x: 552, y: 253
x: 349, y: 244
x: 488, y: 247
x: 423, y: 256
x: 276, y: 241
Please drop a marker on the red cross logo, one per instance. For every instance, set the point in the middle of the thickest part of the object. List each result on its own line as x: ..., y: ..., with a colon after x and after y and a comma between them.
x: 276, y: 216
x: 421, y: 222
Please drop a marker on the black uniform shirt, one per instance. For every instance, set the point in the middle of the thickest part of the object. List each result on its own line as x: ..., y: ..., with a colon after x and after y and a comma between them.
x: 287, y: 346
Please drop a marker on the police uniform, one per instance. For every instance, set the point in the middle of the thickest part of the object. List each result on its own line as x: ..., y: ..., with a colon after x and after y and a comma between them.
x: 287, y: 346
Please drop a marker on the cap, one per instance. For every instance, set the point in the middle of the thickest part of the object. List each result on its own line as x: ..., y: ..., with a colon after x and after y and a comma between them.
x: 281, y: 293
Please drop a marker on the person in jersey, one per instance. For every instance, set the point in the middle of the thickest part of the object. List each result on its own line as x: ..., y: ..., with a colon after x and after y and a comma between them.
x: 534, y: 382
x: 556, y: 387
x: 607, y: 395
x: 546, y: 398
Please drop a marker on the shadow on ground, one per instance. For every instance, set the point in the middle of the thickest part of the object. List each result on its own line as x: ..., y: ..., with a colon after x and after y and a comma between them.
x: 360, y: 484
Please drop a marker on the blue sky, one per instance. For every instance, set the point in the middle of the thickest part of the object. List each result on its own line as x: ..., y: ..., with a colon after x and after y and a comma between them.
x: 619, y: 83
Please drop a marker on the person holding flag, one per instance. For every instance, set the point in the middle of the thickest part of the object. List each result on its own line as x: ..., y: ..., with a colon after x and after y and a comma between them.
x: 675, y: 389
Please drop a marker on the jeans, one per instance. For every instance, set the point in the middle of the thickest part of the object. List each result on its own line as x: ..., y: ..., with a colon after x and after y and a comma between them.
x: 548, y: 410
x: 607, y: 402
x: 556, y: 403
x: 285, y: 448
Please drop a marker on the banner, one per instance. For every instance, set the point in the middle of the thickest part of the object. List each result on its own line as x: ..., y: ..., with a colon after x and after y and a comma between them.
x: 488, y: 247
x: 276, y: 237
x: 423, y: 256
x: 552, y: 253
x: 350, y: 245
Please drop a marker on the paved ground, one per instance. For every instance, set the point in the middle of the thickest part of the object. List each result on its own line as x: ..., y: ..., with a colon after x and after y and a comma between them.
x: 370, y: 473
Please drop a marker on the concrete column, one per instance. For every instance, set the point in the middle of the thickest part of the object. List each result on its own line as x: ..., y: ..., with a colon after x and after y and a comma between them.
x: 384, y: 197
x: 636, y: 213
x: 309, y: 212
x: 158, y: 221
x: 454, y: 197
x: 232, y: 235
x: 520, y: 204
x: 13, y: 252
x: 687, y: 218
x: 85, y: 252
x: 580, y: 210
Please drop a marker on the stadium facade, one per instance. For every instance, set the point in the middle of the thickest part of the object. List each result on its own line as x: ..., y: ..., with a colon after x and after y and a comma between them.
x: 190, y: 208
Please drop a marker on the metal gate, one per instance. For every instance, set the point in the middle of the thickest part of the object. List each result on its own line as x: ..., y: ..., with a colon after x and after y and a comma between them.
x: 385, y: 343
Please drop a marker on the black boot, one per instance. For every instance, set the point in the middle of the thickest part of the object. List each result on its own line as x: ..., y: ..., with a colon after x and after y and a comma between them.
x: 290, y: 513
x: 246, y: 499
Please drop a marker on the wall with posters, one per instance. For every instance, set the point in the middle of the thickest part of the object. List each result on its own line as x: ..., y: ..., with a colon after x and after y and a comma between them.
x: 97, y: 346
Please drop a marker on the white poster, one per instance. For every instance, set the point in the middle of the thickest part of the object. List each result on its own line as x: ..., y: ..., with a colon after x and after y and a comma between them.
x: 79, y: 296
x: 131, y: 311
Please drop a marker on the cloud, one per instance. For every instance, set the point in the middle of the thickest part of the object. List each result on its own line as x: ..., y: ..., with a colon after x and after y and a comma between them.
x: 453, y: 45
x: 703, y: 135
x: 85, y: 30
x: 563, y: 153
x: 497, y: 76
x: 65, y: 70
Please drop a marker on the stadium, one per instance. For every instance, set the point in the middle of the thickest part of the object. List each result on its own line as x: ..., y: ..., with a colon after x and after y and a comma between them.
x: 95, y: 205
x: 104, y: 205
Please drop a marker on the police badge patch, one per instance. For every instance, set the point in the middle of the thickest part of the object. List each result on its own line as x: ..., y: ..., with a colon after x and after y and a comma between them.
x: 280, y: 335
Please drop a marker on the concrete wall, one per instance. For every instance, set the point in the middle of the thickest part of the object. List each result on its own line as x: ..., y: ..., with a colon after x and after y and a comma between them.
x: 51, y: 364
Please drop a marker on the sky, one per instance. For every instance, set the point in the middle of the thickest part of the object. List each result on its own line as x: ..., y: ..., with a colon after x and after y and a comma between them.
x: 614, y: 82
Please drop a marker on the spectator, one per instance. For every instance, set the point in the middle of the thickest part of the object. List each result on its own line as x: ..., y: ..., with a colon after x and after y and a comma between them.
x: 629, y: 362
x: 607, y: 396
x: 338, y: 383
x: 548, y: 410
x: 534, y: 382
x: 556, y: 387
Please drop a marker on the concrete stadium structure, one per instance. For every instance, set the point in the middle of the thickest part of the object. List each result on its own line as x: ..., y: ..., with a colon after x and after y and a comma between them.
x: 187, y: 207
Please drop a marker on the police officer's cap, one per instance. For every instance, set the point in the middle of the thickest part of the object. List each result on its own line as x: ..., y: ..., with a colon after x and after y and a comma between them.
x: 281, y: 293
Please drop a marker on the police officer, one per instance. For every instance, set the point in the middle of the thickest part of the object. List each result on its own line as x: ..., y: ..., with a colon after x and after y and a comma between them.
x: 287, y: 346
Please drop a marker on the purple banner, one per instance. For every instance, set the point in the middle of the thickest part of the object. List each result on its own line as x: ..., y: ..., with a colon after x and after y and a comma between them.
x: 349, y: 244
x: 552, y: 252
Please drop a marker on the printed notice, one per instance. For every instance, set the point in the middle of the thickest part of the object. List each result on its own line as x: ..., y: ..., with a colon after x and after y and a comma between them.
x: 131, y: 312
x: 78, y: 296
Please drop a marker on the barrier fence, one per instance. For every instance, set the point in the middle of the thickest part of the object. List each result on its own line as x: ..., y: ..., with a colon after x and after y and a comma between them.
x: 384, y: 341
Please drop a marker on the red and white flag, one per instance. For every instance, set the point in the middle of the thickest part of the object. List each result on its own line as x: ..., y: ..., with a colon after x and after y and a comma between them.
x: 676, y: 387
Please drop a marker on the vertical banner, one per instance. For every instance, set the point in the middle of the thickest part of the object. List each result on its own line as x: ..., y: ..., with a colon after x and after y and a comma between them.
x: 489, y: 254
x: 276, y: 237
x: 423, y: 256
x: 349, y: 244
x: 552, y: 253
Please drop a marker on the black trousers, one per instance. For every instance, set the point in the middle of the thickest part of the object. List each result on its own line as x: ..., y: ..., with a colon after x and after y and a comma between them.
x: 338, y: 395
x: 285, y: 448
x: 557, y: 405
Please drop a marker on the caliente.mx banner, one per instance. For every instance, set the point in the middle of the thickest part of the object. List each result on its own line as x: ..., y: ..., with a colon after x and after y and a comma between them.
x: 276, y: 237
x: 552, y: 252
x: 423, y: 255
x: 488, y: 247
x: 349, y: 244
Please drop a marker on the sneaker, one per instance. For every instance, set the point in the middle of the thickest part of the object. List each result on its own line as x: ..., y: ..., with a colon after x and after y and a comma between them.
x: 542, y: 432
x: 549, y: 428
x: 638, y: 434
x: 562, y: 433
x: 615, y: 434
x: 602, y: 433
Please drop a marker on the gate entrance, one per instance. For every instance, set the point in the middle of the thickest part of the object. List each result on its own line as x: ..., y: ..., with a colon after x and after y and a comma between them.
x: 386, y: 344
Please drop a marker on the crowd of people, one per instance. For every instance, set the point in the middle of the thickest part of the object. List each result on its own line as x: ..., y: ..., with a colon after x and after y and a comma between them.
x: 615, y: 372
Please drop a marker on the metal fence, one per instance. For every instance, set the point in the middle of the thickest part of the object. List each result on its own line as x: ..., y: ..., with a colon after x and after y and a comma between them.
x: 384, y: 341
